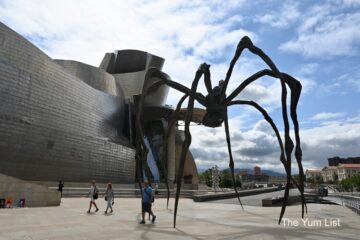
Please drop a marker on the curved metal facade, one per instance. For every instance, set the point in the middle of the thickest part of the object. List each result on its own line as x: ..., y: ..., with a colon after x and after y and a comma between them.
x: 64, y: 119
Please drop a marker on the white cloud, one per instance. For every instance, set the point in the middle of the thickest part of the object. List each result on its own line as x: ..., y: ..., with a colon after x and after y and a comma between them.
x: 263, y: 126
x: 355, y: 83
x: 281, y: 18
x: 332, y: 88
x: 335, y: 139
x: 353, y: 79
x: 184, y: 33
x: 352, y: 3
x: 258, y: 146
x: 308, y: 68
x: 221, y: 40
x: 328, y: 115
x: 347, y: 82
x: 267, y: 92
x: 326, y: 31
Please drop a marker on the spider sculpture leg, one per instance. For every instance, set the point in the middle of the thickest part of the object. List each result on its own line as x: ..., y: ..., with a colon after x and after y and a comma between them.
x: 289, y: 145
x: 138, y: 171
x: 246, y: 43
x: 152, y: 72
x: 231, y: 163
x: 162, y: 79
x: 185, y: 147
x: 295, y: 88
x: 282, y: 155
x: 173, y: 118
x: 141, y: 161
x: 272, y: 124
x: 141, y: 148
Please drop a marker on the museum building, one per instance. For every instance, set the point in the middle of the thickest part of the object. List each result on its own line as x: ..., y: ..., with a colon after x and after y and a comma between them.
x: 67, y: 120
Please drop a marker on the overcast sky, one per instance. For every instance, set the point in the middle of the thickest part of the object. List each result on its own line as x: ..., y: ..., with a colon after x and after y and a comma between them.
x: 317, y: 42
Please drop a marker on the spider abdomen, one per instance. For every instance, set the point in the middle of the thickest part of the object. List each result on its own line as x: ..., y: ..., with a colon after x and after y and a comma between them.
x: 214, y: 116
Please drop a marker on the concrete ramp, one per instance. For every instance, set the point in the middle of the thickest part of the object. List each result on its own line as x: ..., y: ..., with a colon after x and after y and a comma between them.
x: 35, y: 195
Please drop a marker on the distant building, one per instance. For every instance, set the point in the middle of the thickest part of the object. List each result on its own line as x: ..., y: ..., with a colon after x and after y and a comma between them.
x: 313, y: 174
x: 245, y: 177
x: 329, y: 173
x: 277, y: 179
x: 261, y: 178
x: 250, y: 178
x: 257, y: 171
x: 334, y: 161
x: 242, y: 172
x: 345, y: 171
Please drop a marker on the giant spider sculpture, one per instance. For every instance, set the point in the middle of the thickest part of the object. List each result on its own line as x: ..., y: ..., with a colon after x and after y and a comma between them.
x: 216, y: 103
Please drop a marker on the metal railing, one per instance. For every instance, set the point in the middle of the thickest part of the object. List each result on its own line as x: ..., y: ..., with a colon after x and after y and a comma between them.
x: 350, y: 201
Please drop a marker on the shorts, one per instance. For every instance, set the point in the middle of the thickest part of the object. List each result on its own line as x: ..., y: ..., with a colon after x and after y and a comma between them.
x: 146, y: 207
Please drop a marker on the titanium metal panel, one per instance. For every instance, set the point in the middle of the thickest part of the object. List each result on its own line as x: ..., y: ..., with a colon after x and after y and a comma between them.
x: 54, y: 126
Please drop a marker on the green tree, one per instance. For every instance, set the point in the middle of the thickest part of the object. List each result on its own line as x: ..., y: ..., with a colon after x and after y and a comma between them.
x: 206, y: 177
x: 226, y: 180
x: 351, y: 182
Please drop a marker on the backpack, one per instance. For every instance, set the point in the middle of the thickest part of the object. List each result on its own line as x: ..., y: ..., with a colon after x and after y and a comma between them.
x: 96, y: 195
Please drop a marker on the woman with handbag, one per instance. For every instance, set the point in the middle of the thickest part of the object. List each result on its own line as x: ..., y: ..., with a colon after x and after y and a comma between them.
x: 109, y: 197
x: 94, y: 193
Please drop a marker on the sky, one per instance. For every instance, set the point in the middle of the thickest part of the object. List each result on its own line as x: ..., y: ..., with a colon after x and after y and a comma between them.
x: 317, y: 42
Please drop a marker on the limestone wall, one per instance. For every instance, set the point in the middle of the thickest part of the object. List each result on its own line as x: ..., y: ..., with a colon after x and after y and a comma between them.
x: 190, y: 166
x: 35, y: 195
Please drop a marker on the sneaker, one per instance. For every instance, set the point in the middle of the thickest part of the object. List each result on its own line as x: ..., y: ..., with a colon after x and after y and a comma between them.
x: 142, y: 222
x: 111, y: 211
x: 88, y: 211
x: 97, y: 210
x: 105, y: 212
x: 153, y: 219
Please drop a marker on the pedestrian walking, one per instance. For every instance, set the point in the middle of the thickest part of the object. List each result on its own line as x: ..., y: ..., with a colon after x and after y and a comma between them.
x: 60, y: 187
x: 147, y: 196
x: 109, y: 197
x: 94, y: 194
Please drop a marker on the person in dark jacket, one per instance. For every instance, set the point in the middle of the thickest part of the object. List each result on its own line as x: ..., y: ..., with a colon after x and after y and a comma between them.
x: 60, y: 187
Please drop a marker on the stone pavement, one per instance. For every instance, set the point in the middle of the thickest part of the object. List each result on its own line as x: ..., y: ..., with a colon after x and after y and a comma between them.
x: 256, y: 200
x: 195, y: 221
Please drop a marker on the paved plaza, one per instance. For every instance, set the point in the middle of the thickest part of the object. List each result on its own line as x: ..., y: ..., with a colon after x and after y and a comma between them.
x: 195, y: 221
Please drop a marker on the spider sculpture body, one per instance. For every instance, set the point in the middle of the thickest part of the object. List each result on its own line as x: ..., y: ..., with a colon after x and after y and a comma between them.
x: 215, y: 108
x: 216, y: 103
